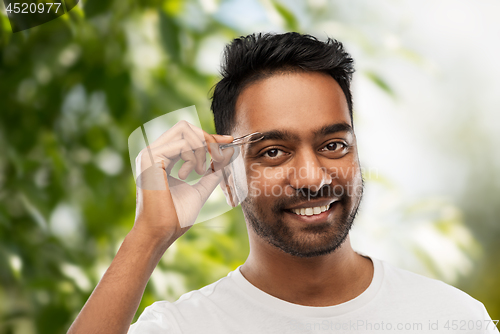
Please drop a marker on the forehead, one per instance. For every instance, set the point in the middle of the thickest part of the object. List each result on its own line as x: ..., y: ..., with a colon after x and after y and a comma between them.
x: 299, y: 102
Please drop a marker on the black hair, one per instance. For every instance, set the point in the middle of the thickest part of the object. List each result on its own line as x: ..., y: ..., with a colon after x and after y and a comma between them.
x: 258, y: 56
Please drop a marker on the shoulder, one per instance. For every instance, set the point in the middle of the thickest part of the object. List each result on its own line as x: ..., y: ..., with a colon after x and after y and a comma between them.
x: 211, y: 293
x: 428, y: 292
x: 191, y: 310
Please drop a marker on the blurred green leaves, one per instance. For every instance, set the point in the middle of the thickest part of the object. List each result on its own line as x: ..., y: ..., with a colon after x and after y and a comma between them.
x: 170, y: 36
x: 380, y: 82
x: 291, y: 22
x: 72, y: 91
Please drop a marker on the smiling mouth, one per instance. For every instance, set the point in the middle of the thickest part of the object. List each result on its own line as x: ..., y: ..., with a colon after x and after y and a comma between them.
x: 311, y: 211
x: 316, y: 210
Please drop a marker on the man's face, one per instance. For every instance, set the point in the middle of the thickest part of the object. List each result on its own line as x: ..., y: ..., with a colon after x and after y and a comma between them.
x: 304, y: 181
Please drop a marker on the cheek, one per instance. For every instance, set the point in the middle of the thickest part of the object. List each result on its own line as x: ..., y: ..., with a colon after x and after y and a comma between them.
x: 349, y: 180
x: 345, y: 171
x: 266, y: 182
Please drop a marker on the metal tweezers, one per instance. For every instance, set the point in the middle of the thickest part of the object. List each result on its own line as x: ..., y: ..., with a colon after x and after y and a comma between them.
x: 247, y: 139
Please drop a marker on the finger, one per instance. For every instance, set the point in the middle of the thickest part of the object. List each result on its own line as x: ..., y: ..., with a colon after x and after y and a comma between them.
x: 199, y: 141
x: 195, y: 137
x: 186, y: 154
x: 197, y: 131
x: 201, y: 158
x: 186, y: 169
x: 213, y: 143
x: 173, y: 134
x: 208, y: 183
x: 190, y: 162
x: 228, y: 155
x: 170, y: 153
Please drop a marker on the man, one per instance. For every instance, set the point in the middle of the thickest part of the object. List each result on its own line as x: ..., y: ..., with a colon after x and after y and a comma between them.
x: 304, y: 188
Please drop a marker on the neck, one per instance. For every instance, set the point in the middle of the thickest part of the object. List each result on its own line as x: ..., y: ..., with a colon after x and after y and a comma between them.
x: 325, y: 280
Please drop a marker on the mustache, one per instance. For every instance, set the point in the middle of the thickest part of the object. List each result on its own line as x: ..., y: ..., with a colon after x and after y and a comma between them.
x: 305, y: 194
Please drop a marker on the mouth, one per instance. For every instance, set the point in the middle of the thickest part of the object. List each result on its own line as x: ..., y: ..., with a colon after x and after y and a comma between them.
x: 312, y: 213
x: 316, y: 210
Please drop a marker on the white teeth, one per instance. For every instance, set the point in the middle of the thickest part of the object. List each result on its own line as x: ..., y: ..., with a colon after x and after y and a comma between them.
x: 311, y: 211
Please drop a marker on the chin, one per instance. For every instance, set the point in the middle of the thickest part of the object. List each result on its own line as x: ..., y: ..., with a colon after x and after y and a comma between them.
x: 309, y: 249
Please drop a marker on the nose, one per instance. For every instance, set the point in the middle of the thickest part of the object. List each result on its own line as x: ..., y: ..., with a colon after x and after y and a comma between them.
x: 308, y: 173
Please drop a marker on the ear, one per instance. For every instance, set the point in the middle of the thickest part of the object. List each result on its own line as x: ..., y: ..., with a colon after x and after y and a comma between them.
x: 228, y: 188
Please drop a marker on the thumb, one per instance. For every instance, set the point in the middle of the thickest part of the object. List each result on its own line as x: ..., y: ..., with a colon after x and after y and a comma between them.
x: 208, y: 183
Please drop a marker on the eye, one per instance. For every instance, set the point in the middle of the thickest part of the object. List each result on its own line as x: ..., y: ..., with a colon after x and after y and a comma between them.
x: 333, y: 146
x: 335, y: 149
x: 273, y: 153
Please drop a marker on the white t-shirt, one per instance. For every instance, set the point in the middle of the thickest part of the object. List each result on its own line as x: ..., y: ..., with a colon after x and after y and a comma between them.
x: 396, y: 301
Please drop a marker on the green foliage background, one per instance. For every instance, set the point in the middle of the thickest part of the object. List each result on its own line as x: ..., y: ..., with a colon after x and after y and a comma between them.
x: 69, y: 92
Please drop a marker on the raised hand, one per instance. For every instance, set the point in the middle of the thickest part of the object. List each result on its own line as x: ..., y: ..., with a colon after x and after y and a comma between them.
x: 167, y: 206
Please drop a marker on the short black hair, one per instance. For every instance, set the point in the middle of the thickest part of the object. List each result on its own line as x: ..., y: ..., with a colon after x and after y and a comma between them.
x: 257, y: 56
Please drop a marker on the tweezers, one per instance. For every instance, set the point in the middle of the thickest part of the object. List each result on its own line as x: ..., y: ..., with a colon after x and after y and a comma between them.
x: 247, y: 139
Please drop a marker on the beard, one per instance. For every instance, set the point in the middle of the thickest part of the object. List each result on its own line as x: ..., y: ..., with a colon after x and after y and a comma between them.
x: 310, y: 240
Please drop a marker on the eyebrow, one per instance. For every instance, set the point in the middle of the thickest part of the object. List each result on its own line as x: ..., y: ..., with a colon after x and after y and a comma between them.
x: 276, y: 135
x: 333, y: 128
x: 279, y: 135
